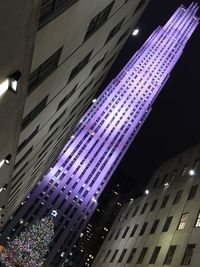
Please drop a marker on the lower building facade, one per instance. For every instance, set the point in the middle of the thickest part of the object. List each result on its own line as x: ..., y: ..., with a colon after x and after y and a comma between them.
x: 161, y: 228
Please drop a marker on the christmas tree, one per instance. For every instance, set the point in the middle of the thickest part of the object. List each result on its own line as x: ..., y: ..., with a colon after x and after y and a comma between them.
x: 29, y: 248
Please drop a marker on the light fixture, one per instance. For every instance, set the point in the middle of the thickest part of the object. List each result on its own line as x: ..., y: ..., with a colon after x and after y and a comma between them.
x: 135, y: 32
x: 94, y: 100
x: 191, y: 172
x: 146, y: 192
x: 7, y: 159
x: 2, y: 162
x: 166, y: 184
x: 13, y: 80
x: 4, y: 86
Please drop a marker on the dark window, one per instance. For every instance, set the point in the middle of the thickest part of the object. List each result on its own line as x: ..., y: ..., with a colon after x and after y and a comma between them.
x: 97, y: 64
x: 66, y: 98
x: 34, y: 113
x: 79, y: 67
x: 125, y: 232
x: 177, y: 197
x: 108, y: 62
x: 111, y: 235
x: 122, y: 255
x: 142, y: 255
x: 46, y: 141
x: 114, y: 31
x: 43, y: 71
x: 55, y: 199
x: 124, y: 35
x: 98, y: 20
x: 144, y: 208
x: 107, y: 255
x: 50, y: 9
x: 57, y: 120
x: 164, y: 179
x: 169, y: 256
x: 23, y: 158
x: 193, y: 191
x: 153, y: 204
x: 154, y: 255
x: 156, y: 182
x: 27, y: 140
x: 114, y: 255
x: 165, y: 200
x: 139, y: 6
x: 134, y: 230
x: 117, y: 235
x: 188, y: 254
x: 167, y: 224
x: 154, y: 226
x: 135, y: 211
x: 131, y: 255
x: 143, y: 228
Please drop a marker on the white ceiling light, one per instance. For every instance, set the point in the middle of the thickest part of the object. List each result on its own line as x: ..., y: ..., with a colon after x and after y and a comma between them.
x: 135, y: 32
x: 191, y: 172
x: 4, y: 86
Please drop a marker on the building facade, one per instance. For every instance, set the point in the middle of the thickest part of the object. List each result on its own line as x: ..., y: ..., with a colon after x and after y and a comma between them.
x: 74, y: 183
x: 62, y: 56
x: 161, y: 228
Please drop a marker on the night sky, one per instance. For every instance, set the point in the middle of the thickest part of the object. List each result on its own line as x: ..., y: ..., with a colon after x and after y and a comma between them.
x: 174, y: 122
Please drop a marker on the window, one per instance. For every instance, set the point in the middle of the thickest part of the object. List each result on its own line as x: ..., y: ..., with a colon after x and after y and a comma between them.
x: 131, y: 255
x: 167, y: 224
x: 143, y: 228
x: 142, y: 255
x: 79, y: 67
x: 114, y: 31
x: 134, y: 230
x: 139, y: 6
x: 34, y: 113
x: 111, y: 235
x: 156, y: 182
x: 154, y: 204
x: 154, y: 255
x: 50, y: 9
x: 177, y: 197
x: 114, y: 255
x: 184, y: 171
x: 154, y: 226
x: 98, y: 21
x: 164, y: 203
x: 173, y: 175
x: 124, y: 35
x: 188, y: 254
x: 183, y: 221
x: 97, y: 64
x: 107, y: 255
x: 144, y: 208
x: 43, y: 71
x: 23, y: 158
x: 125, y: 232
x: 169, y: 256
x: 197, y: 224
x: 122, y: 255
x: 57, y: 120
x: 27, y: 140
x: 117, y: 235
x: 193, y: 191
x: 135, y: 211
x: 67, y: 97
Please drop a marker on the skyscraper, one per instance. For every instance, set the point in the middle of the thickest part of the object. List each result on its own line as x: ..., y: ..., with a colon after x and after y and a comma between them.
x: 74, y: 183
x: 49, y: 73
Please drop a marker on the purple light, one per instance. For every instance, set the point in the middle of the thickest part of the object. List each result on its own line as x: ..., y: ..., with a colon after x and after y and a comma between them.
x: 107, y: 129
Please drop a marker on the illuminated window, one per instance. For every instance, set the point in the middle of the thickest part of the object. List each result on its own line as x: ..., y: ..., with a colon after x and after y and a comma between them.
x: 183, y: 221
x: 197, y: 224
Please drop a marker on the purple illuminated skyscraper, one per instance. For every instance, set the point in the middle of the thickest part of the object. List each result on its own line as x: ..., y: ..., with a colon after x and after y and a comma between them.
x: 84, y: 167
